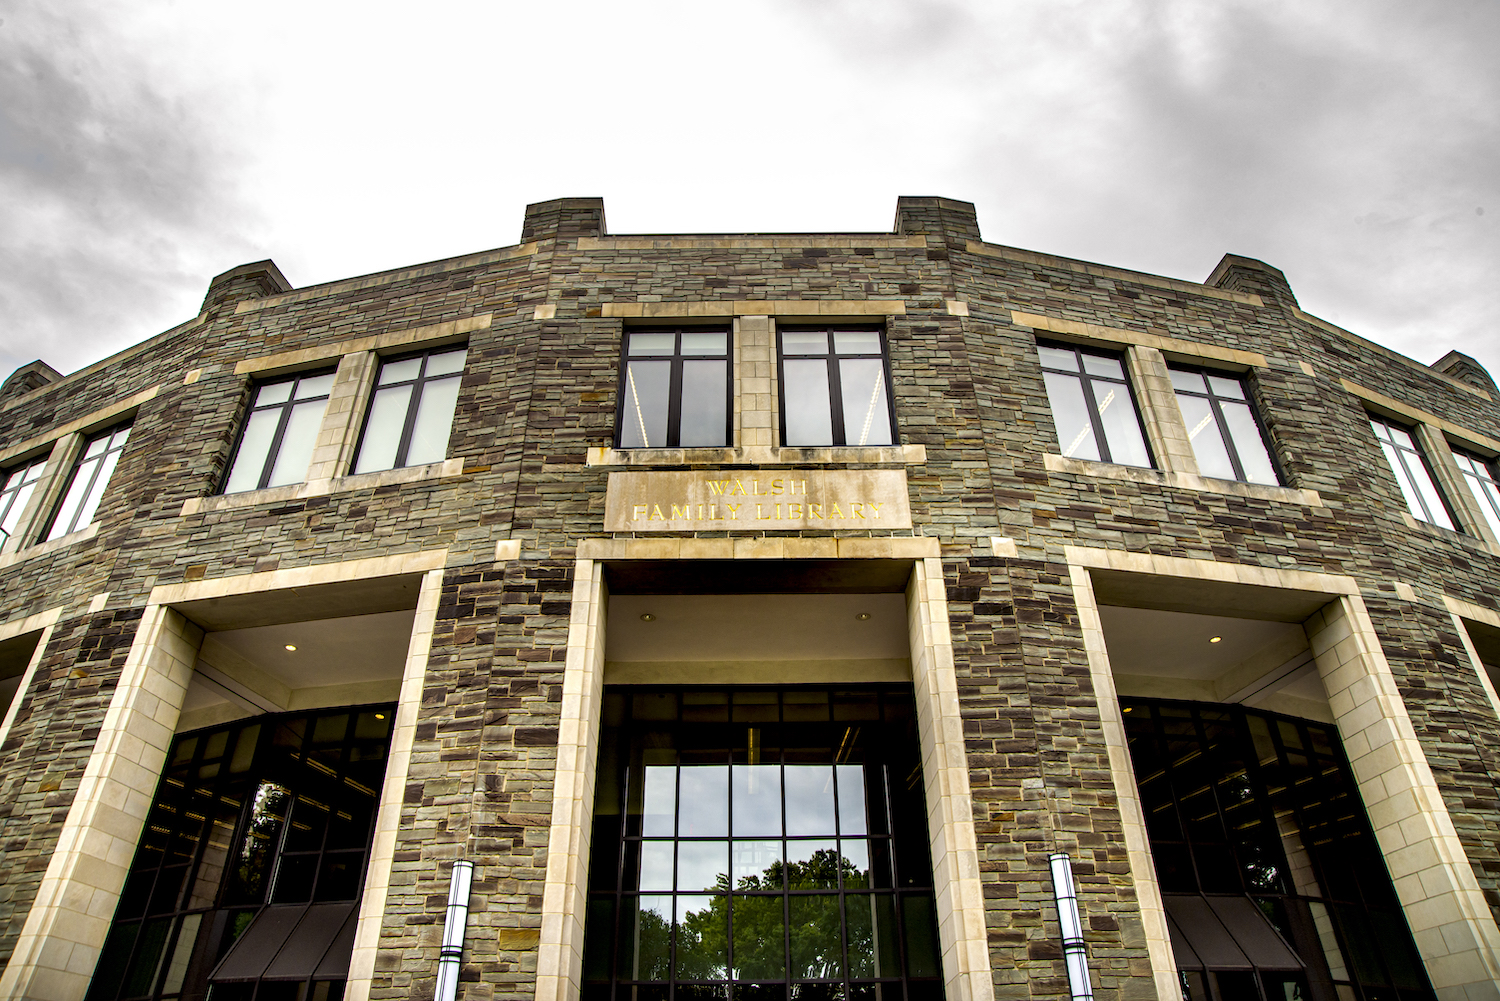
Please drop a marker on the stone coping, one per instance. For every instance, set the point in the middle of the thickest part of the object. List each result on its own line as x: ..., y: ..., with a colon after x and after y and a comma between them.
x: 1099, y: 270
x: 388, y: 277
x: 1333, y: 328
x: 749, y: 242
x: 1171, y: 347
x: 1182, y: 481
x: 817, y: 309
x: 446, y: 469
x: 759, y: 455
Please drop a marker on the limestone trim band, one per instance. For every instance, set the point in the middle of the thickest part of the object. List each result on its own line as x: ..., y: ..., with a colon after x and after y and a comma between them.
x: 431, y: 335
x: 813, y: 309
x: 1172, y: 347
x: 1182, y: 481
x: 1482, y: 442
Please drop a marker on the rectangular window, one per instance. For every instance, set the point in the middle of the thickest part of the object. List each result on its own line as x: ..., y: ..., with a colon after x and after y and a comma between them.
x: 20, y: 483
x: 87, y: 483
x: 1092, y: 406
x: 277, y: 442
x: 1412, y: 474
x: 1481, y: 480
x: 411, y: 410
x: 1228, y: 441
x: 835, y: 388
x: 676, y: 388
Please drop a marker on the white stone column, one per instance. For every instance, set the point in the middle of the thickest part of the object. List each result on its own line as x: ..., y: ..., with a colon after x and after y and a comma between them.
x: 559, y: 970
x: 1455, y: 931
x: 962, y: 934
x: 1453, y: 485
x: 47, y: 493
x: 333, y: 452
x: 1159, y: 410
x: 755, y: 382
x: 65, y: 929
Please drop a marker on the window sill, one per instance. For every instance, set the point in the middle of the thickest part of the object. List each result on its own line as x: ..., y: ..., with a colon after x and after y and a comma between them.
x: 758, y: 455
x: 322, y: 488
x: 43, y: 548
x: 1447, y: 534
x: 1182, y: 481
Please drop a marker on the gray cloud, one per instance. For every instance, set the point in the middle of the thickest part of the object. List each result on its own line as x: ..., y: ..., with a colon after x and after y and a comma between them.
x: 116, y: 191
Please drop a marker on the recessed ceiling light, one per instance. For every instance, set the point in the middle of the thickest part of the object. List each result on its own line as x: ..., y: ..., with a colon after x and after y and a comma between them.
x: 862, y: 616
x: 1215, y: 639
x: 292, y: 647
x: 647, y: 617
x: 382, y: 715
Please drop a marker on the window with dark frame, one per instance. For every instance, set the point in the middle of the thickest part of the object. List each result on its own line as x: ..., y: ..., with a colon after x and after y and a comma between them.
x: 835, y: 387
x: 411, y: 410
x: 766, y: 843
x: 1412, y: 475
x: 1228, y: 441
x: 87, y: 483
x: 1093, y: 406
x: 20, y: 484
x: 675, y: 388
x: 1480, y: 476
x: 276, y: 443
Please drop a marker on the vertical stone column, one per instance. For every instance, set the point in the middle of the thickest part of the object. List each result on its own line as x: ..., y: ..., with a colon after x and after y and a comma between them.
x: 1454, y: 929
x: 75, y: 904
x: 962, y: 934
x: 559, y: 970
x: 48, y: 492
x: 755, y: 382
x: 1122, y: 772
x: 333, y: 452
x: 1453, y: 485
x: 1159, y: 410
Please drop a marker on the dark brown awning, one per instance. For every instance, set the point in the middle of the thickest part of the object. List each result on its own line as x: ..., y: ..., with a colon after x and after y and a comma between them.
x: 1224, y: 933
x: 292, y: 942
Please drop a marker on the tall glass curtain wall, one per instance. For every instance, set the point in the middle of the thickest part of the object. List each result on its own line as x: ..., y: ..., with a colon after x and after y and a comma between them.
x: 253, y: 856
x: 1244, y: 804
x: 760, y: 843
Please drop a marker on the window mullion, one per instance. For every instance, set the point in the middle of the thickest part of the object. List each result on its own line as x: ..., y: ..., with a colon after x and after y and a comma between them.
x: 1230, y: 446
x: 413, y: 403
x: 674, y: 400
x: 835, y: 397
x: 276, y: 439
x: 1096, y: 421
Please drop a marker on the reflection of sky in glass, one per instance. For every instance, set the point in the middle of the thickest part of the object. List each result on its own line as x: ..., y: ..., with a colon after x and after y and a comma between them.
x: 751, y: 859
x: 705, y: 807
x: 701, y: 863
x: 656, y: 865
x: 757, y: 800
x: 809, y: 799
x: 660, y: 796
x: 851, y: 799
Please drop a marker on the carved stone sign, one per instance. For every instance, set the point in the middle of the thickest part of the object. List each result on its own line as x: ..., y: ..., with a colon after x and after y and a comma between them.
x: 756, y: 500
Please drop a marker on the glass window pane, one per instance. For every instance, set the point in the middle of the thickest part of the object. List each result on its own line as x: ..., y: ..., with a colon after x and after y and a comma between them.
x: 804, y: 342
x: 17, y: 507
x: 702, y: 935
x: 851, y: 799
x: 856, y: 342
x: 318, y: 385
x: 1203, y: 432
x: 297, y: 443
x: 1192, y: 382
x: 1437, y: 513
x: 866, y: 412
x: 117, y: 440
x: 383, y: 429
x: 96, y: 447
x: 1249, y: 444
x: 756, y: 865
x: 812, y: 865
x: 434, y: 424
x: 653, y: 939
x: 703, y: 865
x: 400, y: 371
x: 652, y: 344
x: 705, y: 404
x: 757, y: 800
x: 1103, y: 366
x: 1057, y: 358
x: 856, y: 863
x: 759, y: 939
x: 1401, y: 438
x: 817, y: 946
x: 656, y: 865
x: 809, y: 420
x: 273, y: 393
x: 1122, y: 429
x: 1484, y: 490
x: 1229, y: 389
x: 1075, y: 433
x: 643, y: 422
x: 809, y: 800
x: 446, y: 363
x: 704, y: 343
x: 705, y: 801
x: 90, y: 504
x: 659, y: 815
x: 921, y: 936
x: 1382, y: 431
x: 250, y: 461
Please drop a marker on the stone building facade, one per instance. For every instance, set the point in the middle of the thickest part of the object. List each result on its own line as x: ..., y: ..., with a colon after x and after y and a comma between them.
x: 441, y: 564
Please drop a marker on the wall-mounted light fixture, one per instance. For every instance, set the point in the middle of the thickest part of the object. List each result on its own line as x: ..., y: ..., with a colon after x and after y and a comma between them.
x: 1074, y: 954
x: 451, y: 954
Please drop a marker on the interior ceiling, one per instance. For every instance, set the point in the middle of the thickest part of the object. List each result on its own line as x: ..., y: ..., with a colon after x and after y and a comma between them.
x: 746, y: 627
x: 1148, y: 641
x: 329, y: 651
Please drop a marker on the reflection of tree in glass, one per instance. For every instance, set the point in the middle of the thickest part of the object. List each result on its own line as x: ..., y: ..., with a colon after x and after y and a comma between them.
x: 817, y: 948
x: 266, y: 816
x: 653, y: 946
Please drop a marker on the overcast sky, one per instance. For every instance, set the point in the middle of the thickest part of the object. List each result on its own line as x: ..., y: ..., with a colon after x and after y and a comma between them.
x: 147, y: 146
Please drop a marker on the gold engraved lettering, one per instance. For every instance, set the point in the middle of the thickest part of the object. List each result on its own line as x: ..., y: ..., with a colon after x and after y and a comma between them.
x: 815, y: 510
x: 794, y: 512
x: 656, y: 513
x: 856, y: 509
x: 759, y: 514
x: 739, y: 488
x: 776, y: 488
x: 684, y: 513
x: 778, y: 512
x: 734, y: 511
x: 718, y: 486
x: 700, y: 512
x: 755, y: 487
x: 638, y: 512
x: 874, y: 509
x: 836, y: 512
